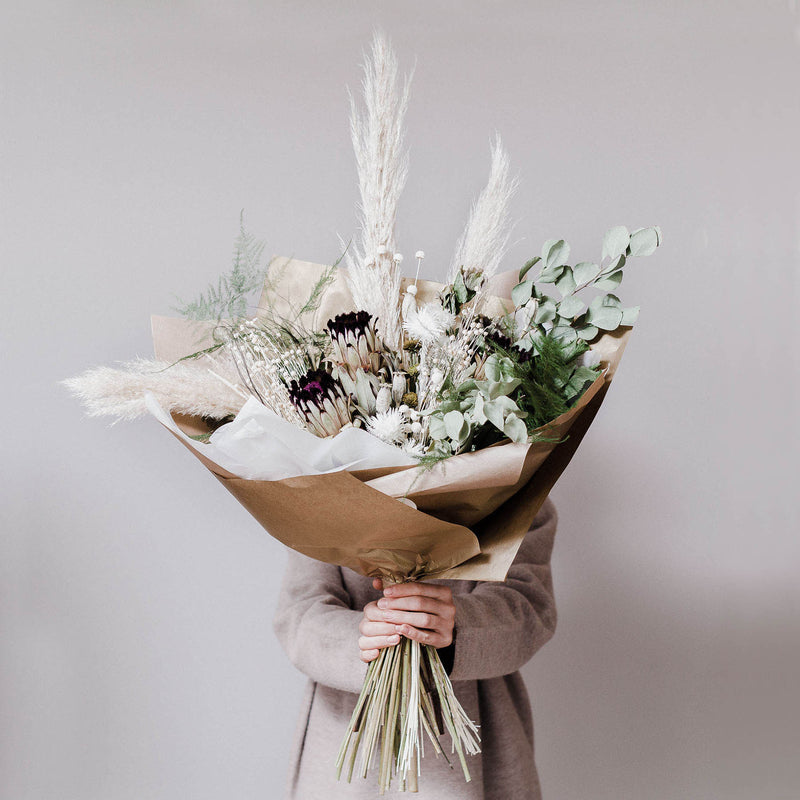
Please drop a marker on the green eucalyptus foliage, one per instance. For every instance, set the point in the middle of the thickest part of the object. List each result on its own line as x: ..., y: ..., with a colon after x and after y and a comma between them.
x: 538, y: 374
x: 478, y: 413
x: 568, y: 317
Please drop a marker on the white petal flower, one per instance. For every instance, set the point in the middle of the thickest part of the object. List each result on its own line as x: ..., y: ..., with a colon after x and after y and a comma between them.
x: 390, y: 426
x: 414, y: 448
x: 428, y: 323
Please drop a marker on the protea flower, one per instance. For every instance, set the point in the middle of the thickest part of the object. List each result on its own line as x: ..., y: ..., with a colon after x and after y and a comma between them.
x: 321, y: 402
x: 355, y: 342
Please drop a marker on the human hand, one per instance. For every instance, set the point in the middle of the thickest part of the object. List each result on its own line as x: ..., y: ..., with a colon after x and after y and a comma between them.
x: 421, y: 611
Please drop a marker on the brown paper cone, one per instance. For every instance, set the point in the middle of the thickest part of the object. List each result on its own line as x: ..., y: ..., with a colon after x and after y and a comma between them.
x: 355, y: 520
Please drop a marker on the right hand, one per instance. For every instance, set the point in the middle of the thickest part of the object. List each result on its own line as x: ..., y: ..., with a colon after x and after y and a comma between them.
x: 375, y: 632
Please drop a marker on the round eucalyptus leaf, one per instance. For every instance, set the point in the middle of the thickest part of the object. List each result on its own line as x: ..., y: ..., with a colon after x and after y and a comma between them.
x: 570, y: 306
x: 606, y: 318
x: 528, y: 265
x: 610, y: 282
x: 615, y: 242
x: 516, y: 430
x: 614, y: 265
x: 588, y: 332
x: 644, y: 242
x: 585, y: 272
x: 436, y: 427
x: 521, y: 293
x: 630, y: 315
x: 555, y: 253
x: 545, y: 313
x: 564, y: 333
x: 566, y: 283
x: 551, y: 274
x: 456, y: 426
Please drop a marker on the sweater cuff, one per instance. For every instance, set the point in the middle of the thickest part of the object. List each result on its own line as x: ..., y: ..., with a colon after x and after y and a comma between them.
x: 466, y: 647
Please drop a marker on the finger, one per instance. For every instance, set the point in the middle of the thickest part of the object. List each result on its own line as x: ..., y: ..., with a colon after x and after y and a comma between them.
x: 377, y: 583
x: 417, y: 619
x: 432, y: 638
x: 377, y: 642
x: 369, y: 655
x: 371, y: 611
x: 418, y: 588
x: 417, y: 602
x: 368, y: 628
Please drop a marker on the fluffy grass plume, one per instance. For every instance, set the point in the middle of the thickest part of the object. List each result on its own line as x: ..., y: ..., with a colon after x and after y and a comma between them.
x: 382, y: 163
x: 185, y: 388
x: 485, y: 239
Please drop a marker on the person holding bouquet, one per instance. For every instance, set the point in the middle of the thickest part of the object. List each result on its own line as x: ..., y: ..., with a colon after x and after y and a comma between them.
x: 485, y: 632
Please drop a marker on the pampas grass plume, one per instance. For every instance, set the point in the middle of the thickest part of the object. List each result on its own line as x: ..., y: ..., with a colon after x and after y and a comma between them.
x: 184, y: 388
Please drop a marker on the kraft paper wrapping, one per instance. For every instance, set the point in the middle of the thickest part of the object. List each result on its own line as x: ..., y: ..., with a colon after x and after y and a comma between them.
x: 472, y: 510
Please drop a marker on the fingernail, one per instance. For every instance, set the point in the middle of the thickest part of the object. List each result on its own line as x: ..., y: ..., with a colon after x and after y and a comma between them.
x: 394, y: 638
x: 389, y: 590
x: 382, y: 603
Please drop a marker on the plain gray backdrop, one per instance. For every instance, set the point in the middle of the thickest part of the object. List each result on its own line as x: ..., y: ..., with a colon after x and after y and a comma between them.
x: 137, y: 657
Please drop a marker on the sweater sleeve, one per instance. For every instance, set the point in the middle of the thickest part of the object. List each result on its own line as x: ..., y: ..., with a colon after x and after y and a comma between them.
x: 316, y: 625
x: 499, y: 626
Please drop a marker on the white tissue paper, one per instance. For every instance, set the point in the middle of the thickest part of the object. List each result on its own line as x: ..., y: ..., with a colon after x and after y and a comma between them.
x: 259, y: 445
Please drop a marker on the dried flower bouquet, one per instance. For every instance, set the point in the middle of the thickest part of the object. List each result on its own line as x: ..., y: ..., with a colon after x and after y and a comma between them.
x: 463, y: 401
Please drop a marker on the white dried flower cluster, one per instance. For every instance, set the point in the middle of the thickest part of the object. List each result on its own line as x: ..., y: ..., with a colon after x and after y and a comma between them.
x: 391, y: 426
x: 429, y: 323
x: 448, y: 358
x: 399, y: 426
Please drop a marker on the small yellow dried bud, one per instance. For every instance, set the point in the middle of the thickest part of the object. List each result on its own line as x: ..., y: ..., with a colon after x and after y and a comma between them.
x: 410, y: 399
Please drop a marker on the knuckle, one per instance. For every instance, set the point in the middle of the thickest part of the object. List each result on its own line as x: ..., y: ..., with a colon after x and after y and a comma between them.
x: 426, y: 621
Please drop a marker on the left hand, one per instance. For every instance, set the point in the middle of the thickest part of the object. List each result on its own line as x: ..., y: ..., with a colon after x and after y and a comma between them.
x: 421, y: 611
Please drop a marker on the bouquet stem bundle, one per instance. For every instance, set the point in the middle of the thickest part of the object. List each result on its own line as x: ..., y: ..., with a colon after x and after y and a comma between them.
x: 406, y: 691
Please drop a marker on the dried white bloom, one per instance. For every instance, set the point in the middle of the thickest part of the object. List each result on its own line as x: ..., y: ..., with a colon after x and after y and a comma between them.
x: 428, y: 323
x: 389, y: 426
x: 384, y: 399
x: 399, y: 384
x: 414, y: 448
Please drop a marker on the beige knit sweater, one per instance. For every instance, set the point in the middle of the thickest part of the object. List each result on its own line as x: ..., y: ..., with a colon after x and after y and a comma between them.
x: 499, y: 626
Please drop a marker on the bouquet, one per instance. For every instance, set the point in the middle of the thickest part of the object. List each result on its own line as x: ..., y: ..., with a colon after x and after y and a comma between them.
x: 403, y: 428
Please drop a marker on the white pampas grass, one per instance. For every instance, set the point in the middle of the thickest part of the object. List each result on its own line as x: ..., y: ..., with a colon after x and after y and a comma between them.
x: 382, y: 162
x: 485, y: 239
x: 186, y: 388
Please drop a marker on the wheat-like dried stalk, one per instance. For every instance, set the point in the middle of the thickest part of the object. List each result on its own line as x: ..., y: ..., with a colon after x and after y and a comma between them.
x: 382, y: 162
x: 186, y: 388
x: 485, y: 239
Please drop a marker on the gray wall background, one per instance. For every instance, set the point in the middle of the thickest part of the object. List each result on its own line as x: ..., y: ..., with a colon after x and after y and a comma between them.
x: 137, y: 658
